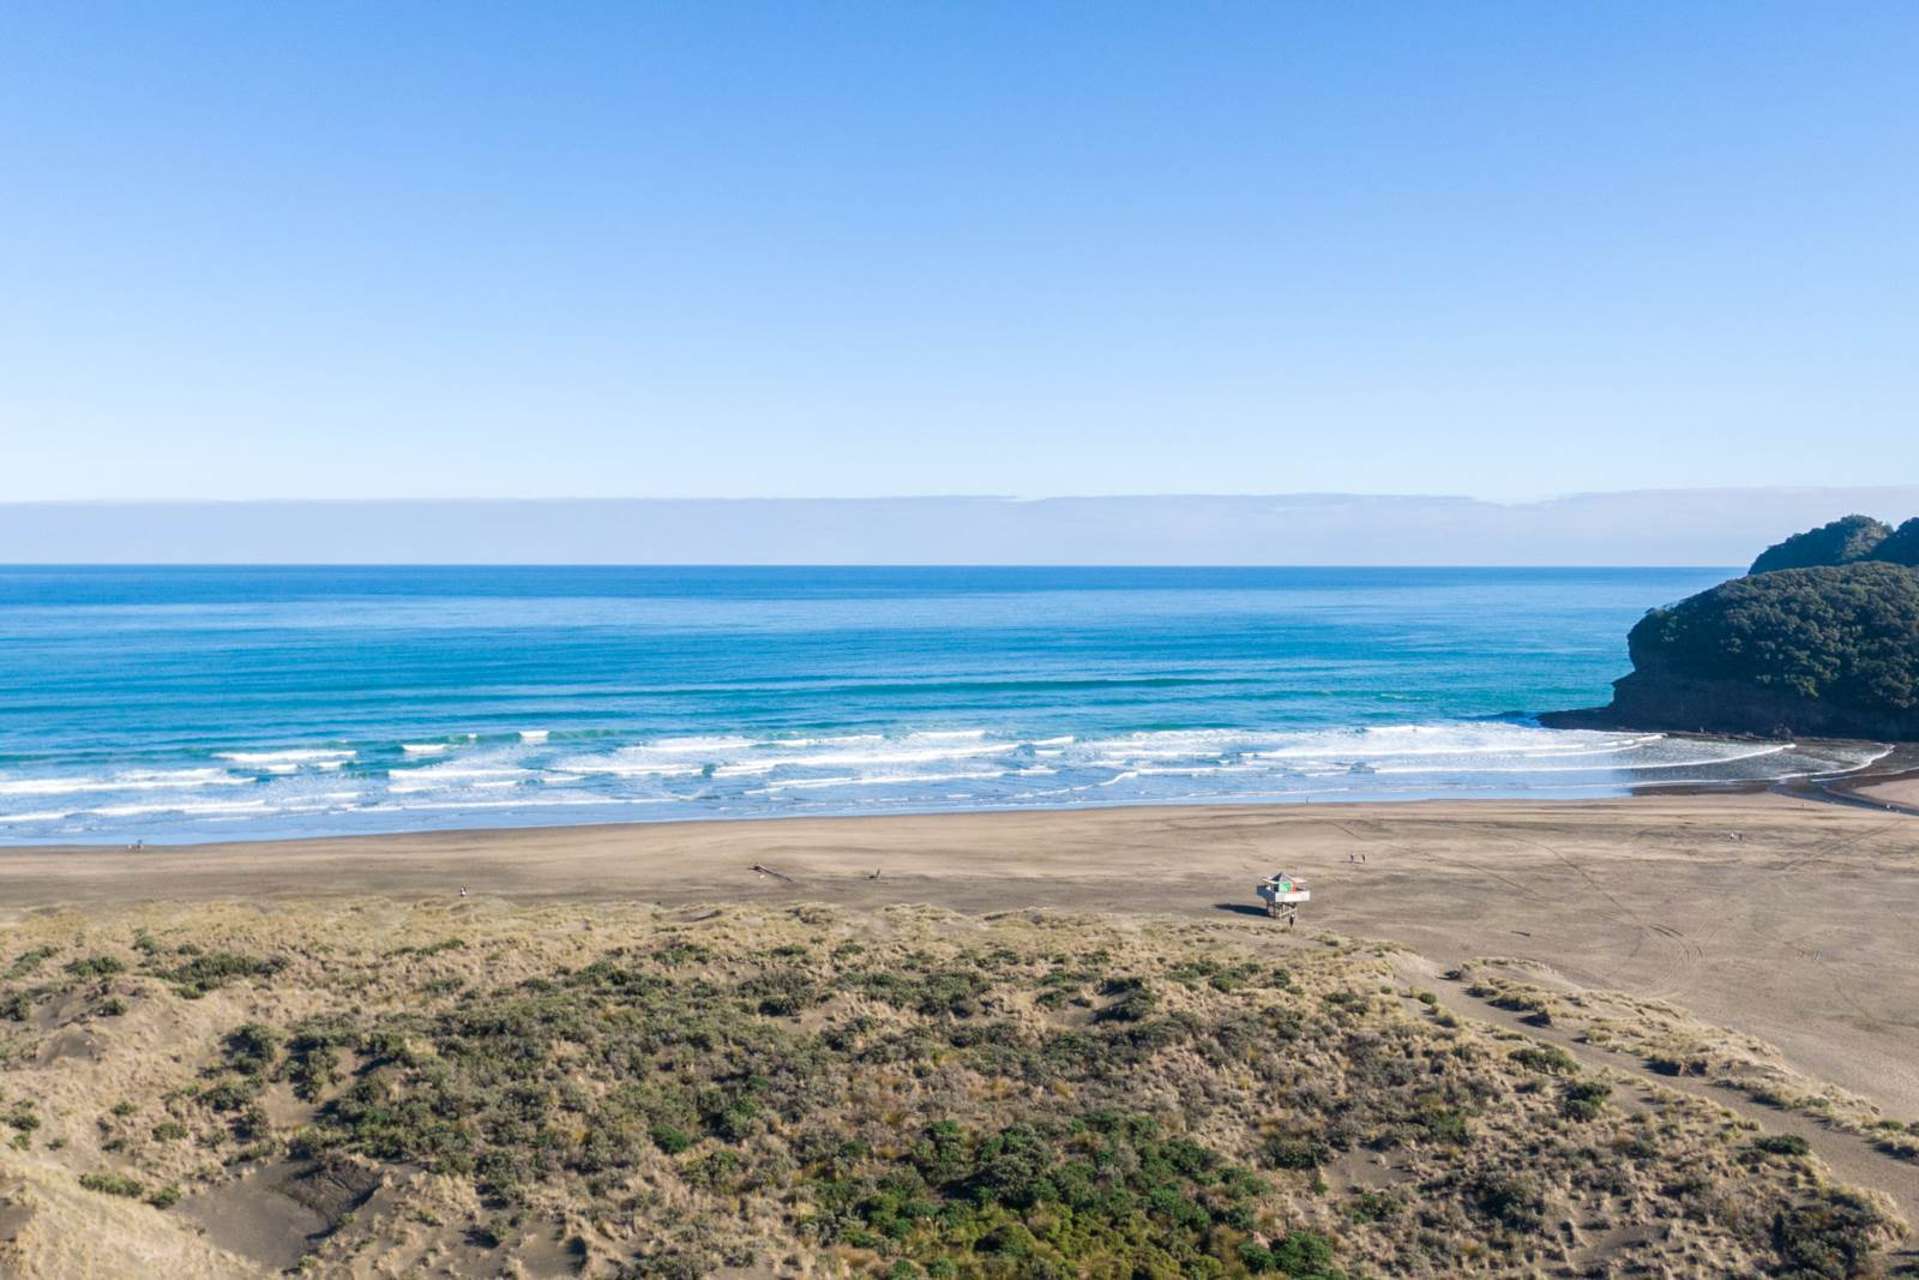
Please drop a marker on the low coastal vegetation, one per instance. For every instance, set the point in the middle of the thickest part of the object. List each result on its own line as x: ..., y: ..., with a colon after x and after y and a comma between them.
x: 620, y: 1091
x: 1821, y: 637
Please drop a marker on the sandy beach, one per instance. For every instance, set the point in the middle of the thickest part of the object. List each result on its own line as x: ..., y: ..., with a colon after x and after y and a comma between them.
x: 1785, y: 919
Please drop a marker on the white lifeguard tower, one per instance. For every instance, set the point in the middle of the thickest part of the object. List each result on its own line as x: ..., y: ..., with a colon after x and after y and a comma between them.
x: 1282, y: 895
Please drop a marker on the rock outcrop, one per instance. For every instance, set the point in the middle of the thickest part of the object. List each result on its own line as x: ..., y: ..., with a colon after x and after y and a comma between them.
x: 1829, y: 651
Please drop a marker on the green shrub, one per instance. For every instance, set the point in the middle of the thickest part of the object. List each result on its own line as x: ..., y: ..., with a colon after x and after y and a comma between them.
x: 27, y: 962
x: 209, y: 972
x: 1303, y: 1255
x: 1585, y: 1099
x: 1832, y: 1238
x: 669, y: 1139
x: 1283, y: 1151
x: 1511, y: 1200
x: 1547, y: 1058
x: 957, y: 992
x: 1444, y: 1124
x: 313, y: 1053
x: 96, y: 967
x: 1133, y: 1000
x: 783, y: 993
x: 114, y: 1184
x: 1781, y: 1144
x: 252, y: 1048
x: 1374, y: 1206
x: 231, y: 1095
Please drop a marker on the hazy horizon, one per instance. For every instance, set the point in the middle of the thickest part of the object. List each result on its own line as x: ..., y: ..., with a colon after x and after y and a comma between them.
x: 1636, y: 528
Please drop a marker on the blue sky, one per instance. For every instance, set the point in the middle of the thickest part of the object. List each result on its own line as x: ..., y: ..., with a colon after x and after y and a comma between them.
x: 841, y: 249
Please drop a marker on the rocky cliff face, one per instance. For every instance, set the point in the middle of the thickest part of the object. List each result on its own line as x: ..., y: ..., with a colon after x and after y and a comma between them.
x: 1666, y: 702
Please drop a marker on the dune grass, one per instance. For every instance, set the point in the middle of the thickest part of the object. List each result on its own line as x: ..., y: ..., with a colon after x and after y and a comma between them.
x: 902, y: 1093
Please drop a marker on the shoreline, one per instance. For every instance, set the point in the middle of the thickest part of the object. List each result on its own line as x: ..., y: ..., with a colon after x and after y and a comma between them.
x: 287, y: 855
x: 1895, y: 773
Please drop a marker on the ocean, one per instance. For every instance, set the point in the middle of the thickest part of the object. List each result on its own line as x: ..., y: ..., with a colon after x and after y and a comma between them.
x: 191, y: 704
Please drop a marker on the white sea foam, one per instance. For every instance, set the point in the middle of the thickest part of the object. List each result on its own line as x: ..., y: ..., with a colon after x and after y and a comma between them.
x: 739, y: 774
x: 136, y: 780
x: 840, y: 741
x: 188, y: 809
x: 52, y: 786
x: 884, y: 753
x: 54, y: 815
x: 546, y: 802
x: 1692, y: 762
x: 877, y: 780
x: 735, y: 757
x: 535, y: 735
x: 696, y: 745
x: 628, y: 762
x: 297, y: 755
x: 456, y: 774
x: 747, y: 769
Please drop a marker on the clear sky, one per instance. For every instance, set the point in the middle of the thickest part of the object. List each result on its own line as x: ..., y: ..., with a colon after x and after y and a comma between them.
x: 425, y: 250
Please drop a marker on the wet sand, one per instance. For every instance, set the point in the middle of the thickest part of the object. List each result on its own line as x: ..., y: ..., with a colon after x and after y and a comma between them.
x: 1904, y: 791
x: 1781, y: 917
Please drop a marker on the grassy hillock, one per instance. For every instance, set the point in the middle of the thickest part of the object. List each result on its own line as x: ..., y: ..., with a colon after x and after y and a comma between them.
x: 619, y: 1091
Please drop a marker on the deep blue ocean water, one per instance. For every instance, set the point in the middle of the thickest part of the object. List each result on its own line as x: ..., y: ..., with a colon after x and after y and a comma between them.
x: 168, y: 704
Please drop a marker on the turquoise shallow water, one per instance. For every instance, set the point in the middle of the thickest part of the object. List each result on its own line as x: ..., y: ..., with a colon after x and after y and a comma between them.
x: 224, y: 703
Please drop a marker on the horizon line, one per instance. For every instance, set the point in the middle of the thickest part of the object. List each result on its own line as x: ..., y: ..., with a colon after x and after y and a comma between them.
x: 478, y: 566
x: 468, y: 500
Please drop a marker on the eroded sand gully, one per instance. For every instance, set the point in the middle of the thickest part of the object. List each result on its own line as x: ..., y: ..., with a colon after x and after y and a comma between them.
x: 1782, y: 918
